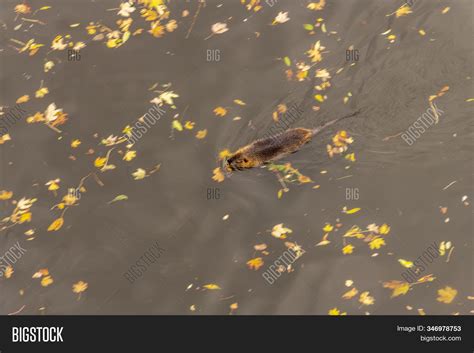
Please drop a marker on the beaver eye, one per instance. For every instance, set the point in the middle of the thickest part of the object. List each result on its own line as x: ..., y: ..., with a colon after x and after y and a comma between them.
x: 245, y: 160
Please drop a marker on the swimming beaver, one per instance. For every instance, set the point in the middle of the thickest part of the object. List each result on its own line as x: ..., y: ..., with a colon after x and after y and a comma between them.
x: 275, y: 147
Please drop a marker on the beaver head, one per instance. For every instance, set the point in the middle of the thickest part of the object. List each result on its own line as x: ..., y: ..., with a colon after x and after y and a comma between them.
x: 239, y: 161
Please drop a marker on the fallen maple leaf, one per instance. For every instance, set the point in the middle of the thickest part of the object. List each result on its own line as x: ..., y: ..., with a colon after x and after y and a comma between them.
x: 446, y: 295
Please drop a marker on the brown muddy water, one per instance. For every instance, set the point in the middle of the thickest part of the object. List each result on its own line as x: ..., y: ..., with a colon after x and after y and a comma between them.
x: 416, y: 189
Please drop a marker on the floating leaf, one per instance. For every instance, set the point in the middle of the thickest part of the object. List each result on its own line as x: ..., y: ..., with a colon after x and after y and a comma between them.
x: 220, y: 111
x: 350, y: 294
x: 41, y: 92
x: 446, y: 295
x: 366, y: 299
x: 398, y: 287
x: 348, y: 249
x: 405, y: 263
x: 23, y: 99
x: 212, y: 286
x: 201, y: 134
x: 75, y: 143
x: 56, y: 225
x: 377, y: 243
x: 79, y: 287
x: 139, y: 174
x: 336, y: 312
x: 100, y: 162
x: 351, y: 211
x: 177, y: 125
x: 280, y: 232
x: 119, y: 198
x: 218, y: 175
x: 5, y: 195
x: 46, y: 281
x: 129, y: 155
x: 255, y: 264
x: 403, y: 11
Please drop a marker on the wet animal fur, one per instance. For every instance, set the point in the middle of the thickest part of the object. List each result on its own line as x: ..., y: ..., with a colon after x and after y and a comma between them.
x: 272, y: 148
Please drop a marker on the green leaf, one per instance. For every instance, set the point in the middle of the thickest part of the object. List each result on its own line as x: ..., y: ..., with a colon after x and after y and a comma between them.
x: 308, y: 27
x: 287, y: 61
x: 119, y: 198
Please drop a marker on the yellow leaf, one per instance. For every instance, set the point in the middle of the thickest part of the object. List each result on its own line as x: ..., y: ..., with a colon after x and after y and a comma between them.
x: 350, y: 157
x: 377, y: 243
x: 189, y: 125
x: 100, y: 162
x: 201, y: 134
x: 9, y: 271
x: 53, y: 186
x: 212, y: 286
x: 405, y: 263
x: 69, y: 199
x: 347, y: 249
x: 75, y: 143
x: 5, y: 195
x: 280, y: 232
x: 4, y: 138
x: 79, y: 287
x: 239, y: 102
x: 41, y: 92
x: 171, y: 25
x: 427, y: 278
x: 177, y: 125
x: 351, y: 211
x: 336, y: 312
x: 324, y: 241
x: 139, y: 174
x: 218, y: 175
x: 445, y: 10
x: 157, y: 30
x: 422, y: 32
x: 23, y: 99
x: 446, y: 295
x: 366, y: 299
x: 350, y: 294
x: 384, y: 229
x: 220, y: 111
x: 328, y: 227
x: 224, y: 154
x: 403, y: 11
x: 46, y: 281
x: 56, y: 225
x: 304, y: 179
x: 398, y: 287
x: 316, y: 6
x: 255, y: 264
x: 42, y: 272
x: 319, y: 98
x: 48, y: 66
x: 129, y: 155
x: 25, y: 217
x: 127, y: 130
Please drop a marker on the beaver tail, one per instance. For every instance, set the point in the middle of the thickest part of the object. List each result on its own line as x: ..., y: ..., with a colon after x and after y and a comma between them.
x: 329, y: 123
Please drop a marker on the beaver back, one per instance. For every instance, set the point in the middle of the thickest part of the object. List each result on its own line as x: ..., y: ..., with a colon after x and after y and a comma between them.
x: 279, y: 145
